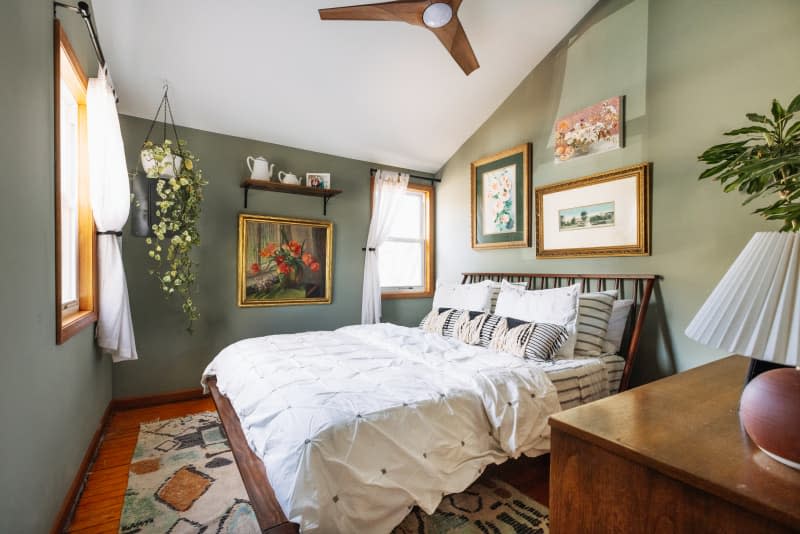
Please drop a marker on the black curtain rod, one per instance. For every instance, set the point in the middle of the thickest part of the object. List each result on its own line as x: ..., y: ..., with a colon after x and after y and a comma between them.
x: 82, y: 9
x: 426, y: 178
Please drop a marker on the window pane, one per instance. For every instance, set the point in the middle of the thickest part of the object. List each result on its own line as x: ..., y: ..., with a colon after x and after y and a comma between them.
x: 400, y: 264
x: 69, y: 194
x: 408, y: 222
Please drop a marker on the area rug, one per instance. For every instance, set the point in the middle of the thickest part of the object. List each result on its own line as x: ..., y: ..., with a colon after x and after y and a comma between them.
x: 183, y: 479
x: 487, y: 507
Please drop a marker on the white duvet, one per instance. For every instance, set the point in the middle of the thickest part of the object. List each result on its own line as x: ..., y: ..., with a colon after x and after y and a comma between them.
x: 358, y: 425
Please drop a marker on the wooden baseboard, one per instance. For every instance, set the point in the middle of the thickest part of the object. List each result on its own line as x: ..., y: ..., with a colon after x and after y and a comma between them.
x: 130, y: 403
x: 71, y: 498
x: 116, y: 405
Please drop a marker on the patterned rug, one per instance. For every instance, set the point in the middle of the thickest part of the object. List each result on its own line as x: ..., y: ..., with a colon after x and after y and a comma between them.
x: 487, y: 507
x: 183, y: 479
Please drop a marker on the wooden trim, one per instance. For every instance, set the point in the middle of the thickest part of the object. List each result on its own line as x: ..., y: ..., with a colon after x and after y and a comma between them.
x: 68, y: 326
x: 430, y: 244
x: 641, y: 285
x: 75, y: 489
x: 268, y: 512
x: 130, y: 403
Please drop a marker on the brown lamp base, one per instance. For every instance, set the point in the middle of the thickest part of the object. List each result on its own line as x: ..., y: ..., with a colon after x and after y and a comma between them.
x: 770, y: 413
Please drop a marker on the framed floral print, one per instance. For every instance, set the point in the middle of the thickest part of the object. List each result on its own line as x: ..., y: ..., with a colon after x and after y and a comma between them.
x: 284, y: 261
x: 501, y: 199
x: 606, y: 214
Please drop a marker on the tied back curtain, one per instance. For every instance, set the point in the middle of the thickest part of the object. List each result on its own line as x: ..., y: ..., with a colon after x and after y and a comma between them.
x: 389, y: 188
x: 110, y: 196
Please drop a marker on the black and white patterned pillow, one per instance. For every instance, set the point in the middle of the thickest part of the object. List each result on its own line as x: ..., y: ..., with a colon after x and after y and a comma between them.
x: 594, y: 313
x: 538, y: 341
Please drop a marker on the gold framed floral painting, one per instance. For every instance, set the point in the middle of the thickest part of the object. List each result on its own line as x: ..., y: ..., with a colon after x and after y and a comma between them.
x: 501, y: 199
x: 284, y: 261
x: 606, y: 214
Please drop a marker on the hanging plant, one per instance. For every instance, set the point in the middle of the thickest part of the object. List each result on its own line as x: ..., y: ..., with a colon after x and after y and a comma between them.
x: 766, y: 162
x: 179, y: 189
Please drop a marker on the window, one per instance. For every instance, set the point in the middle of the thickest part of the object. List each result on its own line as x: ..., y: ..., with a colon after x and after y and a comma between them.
x: 75, y: 234
x: 406, y: 258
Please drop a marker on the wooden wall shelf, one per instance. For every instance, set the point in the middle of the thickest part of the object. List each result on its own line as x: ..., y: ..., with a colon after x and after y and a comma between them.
x: 277, y: 187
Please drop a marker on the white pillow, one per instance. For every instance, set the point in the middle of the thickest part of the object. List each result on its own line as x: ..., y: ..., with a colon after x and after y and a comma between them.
x: 472, y: 297
x: 496, y: 286
x: 556, y: 306
x: 616, y: 326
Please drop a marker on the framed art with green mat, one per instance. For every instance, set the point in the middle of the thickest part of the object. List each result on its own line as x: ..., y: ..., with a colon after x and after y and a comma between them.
x: 501, y: 199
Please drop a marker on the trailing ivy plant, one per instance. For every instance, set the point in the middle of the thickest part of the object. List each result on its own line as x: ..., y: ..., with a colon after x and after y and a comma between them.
x: 765, y: 162
x: 176, y: 233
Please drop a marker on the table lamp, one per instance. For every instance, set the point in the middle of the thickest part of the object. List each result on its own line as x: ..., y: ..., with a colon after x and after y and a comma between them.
x: 755, y: 311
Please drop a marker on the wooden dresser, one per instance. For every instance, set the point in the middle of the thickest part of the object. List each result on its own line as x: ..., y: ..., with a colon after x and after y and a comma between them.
x: 669, y: 456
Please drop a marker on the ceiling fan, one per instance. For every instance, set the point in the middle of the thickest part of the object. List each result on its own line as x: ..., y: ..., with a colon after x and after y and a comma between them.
x: 440, y: 17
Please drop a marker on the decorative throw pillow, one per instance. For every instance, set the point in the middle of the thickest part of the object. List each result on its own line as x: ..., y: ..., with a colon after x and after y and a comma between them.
x: 554, y: 306
x: 616, y: 325
x: 495, y: 292
x: 594, y: 313
x: 441, y: 321
x: 538, y: 341
x: 472, y: 297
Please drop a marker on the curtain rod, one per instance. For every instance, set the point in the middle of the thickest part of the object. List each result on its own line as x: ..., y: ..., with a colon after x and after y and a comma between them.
x: 82, y: 9
x: 426, y: 178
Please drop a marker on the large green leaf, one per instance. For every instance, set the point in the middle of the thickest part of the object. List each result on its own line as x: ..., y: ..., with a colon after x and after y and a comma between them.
x: 795, y: 105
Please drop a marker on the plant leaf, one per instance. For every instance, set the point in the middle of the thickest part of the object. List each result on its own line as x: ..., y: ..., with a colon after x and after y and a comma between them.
x: 777, y: 110
x: 795, y: 105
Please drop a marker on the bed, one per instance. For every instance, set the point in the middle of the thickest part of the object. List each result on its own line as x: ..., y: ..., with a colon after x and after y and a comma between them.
x: 419, y: 405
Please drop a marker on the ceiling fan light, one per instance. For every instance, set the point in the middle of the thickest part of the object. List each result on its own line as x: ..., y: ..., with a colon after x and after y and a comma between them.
x: 437, y: 15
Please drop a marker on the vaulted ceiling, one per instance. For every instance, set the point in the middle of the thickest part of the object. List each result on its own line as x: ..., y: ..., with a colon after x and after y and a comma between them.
x: 271, y: 70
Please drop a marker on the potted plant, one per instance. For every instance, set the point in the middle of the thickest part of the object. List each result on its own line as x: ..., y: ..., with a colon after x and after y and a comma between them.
x: 765, y: 162
x: 179, y: 188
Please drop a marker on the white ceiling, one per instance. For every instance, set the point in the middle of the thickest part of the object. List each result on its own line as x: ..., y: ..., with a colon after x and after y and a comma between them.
x: 271, y: 70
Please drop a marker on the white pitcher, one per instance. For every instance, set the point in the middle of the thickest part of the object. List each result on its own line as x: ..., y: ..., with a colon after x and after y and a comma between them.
x: 260, y: 169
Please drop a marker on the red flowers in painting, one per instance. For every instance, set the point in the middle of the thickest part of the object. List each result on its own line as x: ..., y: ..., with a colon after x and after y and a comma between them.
x: 287, y: 260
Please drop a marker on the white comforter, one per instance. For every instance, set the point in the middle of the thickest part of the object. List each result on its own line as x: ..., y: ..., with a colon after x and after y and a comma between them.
x: 358, y: 425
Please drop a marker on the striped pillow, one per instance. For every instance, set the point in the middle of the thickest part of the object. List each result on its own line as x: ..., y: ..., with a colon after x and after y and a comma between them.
x: 441, y: 321
x: 538, y: 341
x: 594, y: 312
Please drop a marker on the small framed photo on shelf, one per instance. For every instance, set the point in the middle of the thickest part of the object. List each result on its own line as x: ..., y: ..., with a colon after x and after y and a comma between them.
x: 321, y: 180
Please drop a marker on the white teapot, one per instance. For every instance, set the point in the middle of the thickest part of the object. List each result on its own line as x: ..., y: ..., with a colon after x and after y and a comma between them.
x: 260, y: 169
x: 288, y: 178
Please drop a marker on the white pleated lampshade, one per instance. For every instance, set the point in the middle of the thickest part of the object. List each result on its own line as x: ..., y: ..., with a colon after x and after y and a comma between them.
x: 755, y: 308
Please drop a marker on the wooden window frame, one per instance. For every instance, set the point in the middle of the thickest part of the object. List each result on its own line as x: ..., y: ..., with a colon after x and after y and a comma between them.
x: 430, y: 218
x: 70, y: 322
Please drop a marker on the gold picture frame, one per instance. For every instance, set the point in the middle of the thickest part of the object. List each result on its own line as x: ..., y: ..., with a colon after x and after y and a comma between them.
x: 500, y: 199
x: 284, y: 261
x: 605, y: 214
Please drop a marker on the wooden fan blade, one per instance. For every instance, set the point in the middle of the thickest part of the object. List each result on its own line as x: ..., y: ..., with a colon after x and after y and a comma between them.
x: 455, y: 40
x: 409, y: 11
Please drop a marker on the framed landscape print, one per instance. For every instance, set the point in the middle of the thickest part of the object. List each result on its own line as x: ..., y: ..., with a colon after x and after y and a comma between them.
x: 501, y: 199
x: 284, y: 261
x: 598, y: 128
x: 607, y: 214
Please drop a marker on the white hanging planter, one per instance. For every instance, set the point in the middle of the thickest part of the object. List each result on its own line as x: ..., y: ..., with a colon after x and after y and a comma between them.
x: 160, y: 166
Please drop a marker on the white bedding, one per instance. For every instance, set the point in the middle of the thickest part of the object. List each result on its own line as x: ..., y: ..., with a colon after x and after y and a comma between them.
x: 358, y: 425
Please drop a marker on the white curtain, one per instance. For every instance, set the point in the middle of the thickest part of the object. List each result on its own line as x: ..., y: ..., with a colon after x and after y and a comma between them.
x: 389, y: 189
x: 110, y: 194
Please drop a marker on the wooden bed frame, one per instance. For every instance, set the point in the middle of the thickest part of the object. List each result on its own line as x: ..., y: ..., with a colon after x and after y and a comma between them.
x: 269, y: 514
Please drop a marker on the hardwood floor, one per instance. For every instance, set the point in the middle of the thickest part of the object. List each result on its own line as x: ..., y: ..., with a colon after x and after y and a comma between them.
x: 100, y: 505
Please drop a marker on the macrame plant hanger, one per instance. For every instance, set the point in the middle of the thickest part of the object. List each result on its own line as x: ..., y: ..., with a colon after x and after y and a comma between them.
x: 167, y: 110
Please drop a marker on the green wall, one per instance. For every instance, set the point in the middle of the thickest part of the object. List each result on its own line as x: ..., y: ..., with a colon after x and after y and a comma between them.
x: 52, y: 396
x: 690, y: 70
x: 169, y: 357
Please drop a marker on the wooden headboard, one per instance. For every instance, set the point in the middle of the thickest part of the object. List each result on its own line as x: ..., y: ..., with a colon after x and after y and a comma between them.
x: 638, y: 287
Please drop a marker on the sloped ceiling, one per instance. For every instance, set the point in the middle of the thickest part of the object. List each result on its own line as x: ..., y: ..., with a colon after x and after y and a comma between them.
x: 271, y: 70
